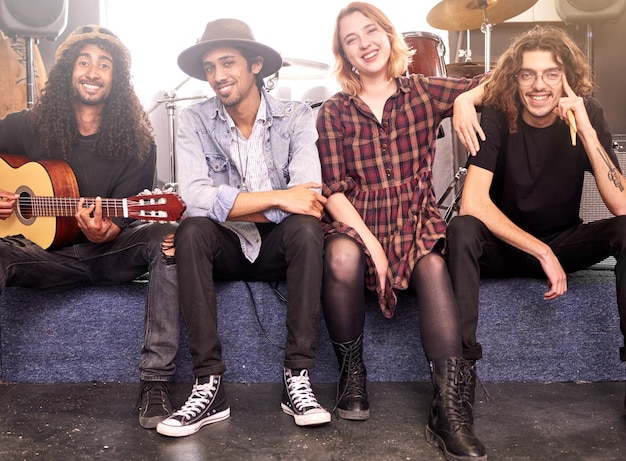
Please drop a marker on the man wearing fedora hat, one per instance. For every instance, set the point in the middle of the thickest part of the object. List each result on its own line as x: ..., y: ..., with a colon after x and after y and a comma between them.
x: 249, y: 172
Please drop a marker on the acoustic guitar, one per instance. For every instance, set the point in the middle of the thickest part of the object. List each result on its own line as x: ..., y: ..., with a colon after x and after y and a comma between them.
x: 48, y: 200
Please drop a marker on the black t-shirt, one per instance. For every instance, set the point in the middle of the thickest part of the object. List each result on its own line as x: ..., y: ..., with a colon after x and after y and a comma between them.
x: 95, y: 174
x: 538, y: 174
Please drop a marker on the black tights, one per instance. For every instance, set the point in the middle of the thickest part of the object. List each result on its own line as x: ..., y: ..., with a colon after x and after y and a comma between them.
x: 343, y: 298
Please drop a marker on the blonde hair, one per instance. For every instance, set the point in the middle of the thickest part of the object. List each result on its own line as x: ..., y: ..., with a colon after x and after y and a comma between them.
x: 399, y: 59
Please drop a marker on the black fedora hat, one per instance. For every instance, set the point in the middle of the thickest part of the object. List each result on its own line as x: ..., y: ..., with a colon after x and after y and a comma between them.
x: 227, y: 32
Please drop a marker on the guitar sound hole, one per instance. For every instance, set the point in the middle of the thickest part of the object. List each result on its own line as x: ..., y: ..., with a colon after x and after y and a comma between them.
x: 25, y: 206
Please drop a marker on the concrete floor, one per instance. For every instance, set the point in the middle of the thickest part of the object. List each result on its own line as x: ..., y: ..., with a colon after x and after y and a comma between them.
x: 521, y: 421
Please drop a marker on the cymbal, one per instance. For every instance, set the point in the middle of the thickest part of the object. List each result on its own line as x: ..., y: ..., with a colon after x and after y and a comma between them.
x: 468, y: 14
x: 302, y: 69
x: 466, y: 69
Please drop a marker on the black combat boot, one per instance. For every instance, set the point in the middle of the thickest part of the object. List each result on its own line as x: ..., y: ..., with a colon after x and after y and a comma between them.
x: 467, y: 383
x: 449, y: 426
x: 351, y: 390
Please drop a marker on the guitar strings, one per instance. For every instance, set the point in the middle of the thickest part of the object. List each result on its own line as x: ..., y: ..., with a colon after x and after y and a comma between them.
x: 149, y: 208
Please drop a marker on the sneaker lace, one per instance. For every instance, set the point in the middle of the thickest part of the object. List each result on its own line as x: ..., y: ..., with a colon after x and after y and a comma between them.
x: 300, y: 391
x: 153, y: 391
x: 201, y: 396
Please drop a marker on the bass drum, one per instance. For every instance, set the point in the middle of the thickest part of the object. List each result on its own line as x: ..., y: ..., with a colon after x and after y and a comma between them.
x: 430, y: 50
x: 13, y: 89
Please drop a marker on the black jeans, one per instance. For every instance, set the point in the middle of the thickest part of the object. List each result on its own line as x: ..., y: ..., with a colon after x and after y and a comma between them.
x: 134, y: 252
x: 473, y: 251
x: 291, y: 251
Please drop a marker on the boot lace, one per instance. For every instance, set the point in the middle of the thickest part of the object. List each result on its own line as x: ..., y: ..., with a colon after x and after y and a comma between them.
x: 453, y: 400
x: 467, y: 374
x: 354, y: 368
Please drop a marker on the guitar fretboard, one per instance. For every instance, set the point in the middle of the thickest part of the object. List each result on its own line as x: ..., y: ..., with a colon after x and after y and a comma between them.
x: 67, y: 206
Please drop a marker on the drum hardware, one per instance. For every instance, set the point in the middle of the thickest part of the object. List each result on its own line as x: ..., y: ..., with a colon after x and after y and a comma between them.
x: 454, y: 205
x: 473, y: 14
x: 170, y: 101
x: 467, y: 69
x: 467, y: 53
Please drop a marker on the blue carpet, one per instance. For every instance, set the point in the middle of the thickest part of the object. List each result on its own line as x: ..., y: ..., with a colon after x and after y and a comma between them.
x: 95, y: 334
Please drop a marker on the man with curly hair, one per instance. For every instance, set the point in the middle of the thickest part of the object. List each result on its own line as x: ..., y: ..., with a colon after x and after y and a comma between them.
x: 90, y: 117
x: 519, y: 214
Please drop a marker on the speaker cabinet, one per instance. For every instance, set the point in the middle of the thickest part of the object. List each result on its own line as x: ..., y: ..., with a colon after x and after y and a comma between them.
x: 590, y: 11
x: 592, y: 208
x: 33, y: 18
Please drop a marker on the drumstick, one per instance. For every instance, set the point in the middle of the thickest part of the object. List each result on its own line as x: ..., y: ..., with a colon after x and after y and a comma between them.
x: 572, y: 126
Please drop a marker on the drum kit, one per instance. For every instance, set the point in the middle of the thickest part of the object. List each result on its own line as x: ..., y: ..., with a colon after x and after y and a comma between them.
x: 467, y: 15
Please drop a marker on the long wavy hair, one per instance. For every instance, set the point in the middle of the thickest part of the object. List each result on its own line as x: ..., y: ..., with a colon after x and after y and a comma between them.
x: 125, y: 129
x: 501, y: 90
x: 399, y: 59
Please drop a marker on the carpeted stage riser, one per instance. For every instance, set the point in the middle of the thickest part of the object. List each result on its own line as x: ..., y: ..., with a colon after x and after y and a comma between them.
x: 94, y: 334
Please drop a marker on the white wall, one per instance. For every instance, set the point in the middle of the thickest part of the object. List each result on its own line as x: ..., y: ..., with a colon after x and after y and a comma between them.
x: 156, y: 31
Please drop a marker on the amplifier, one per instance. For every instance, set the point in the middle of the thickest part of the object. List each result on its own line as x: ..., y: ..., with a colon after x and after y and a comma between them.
x: 592, y: 208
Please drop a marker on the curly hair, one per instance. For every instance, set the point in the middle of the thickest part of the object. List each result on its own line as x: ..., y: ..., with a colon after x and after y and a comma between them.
x: 501, y: 89
x: 125, y: 129
x: 399, y: 60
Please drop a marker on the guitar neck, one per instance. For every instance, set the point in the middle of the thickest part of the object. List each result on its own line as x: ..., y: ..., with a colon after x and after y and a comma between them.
x: 67, y: 206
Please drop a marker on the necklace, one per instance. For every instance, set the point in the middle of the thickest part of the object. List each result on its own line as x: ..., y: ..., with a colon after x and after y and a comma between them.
x: 242, y: 167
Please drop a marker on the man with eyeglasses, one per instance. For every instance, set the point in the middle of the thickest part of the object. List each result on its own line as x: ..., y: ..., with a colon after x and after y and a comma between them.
x: 519, y: 214
x: 90, y: 117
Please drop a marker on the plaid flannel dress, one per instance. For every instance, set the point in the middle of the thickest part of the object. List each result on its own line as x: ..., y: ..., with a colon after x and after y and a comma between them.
x: 385, y: 170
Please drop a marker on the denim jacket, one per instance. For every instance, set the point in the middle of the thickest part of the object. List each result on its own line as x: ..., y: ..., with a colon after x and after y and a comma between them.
x: 208, y: 180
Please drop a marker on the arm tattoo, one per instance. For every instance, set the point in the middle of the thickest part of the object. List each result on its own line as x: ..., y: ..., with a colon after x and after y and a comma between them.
x: 613, y: 174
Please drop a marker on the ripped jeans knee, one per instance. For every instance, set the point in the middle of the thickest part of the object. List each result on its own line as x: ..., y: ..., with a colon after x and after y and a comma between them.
x: 168, y: 249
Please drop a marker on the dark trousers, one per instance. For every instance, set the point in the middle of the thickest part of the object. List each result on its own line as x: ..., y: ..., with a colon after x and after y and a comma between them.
x: 291, y: 251
x: 136, y: 249
x: 473, y: 251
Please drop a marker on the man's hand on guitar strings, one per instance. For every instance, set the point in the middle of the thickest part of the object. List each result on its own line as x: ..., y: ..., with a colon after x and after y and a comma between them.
x: 96, y: 227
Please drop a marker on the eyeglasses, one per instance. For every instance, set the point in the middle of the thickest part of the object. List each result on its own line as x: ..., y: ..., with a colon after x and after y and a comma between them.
x: 551, y: 77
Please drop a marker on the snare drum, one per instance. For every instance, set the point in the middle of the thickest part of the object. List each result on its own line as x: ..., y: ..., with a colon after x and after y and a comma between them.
x: 429, y: 54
